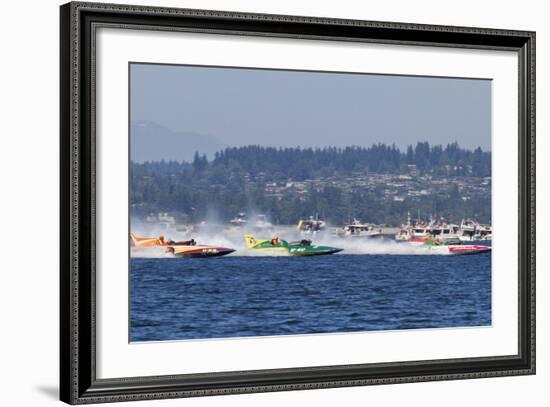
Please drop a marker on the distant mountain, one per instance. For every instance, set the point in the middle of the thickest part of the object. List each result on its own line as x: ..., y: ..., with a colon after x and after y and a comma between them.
x: 150, y: 141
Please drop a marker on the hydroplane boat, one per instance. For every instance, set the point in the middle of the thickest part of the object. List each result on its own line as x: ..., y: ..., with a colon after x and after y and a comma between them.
x: 298, y: 248
x: 188, y: 248
x: 445, y: 247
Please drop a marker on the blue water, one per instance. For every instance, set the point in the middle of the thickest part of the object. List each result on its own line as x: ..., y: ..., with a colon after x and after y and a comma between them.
x: 236, y: 296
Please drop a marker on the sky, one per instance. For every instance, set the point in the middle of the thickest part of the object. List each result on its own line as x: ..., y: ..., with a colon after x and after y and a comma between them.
x: 237, y: 106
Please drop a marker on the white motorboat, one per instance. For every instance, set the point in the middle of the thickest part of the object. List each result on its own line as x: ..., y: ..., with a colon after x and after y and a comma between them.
x: 239, y: 220
x: 311, y: 226
x: 358, y: 229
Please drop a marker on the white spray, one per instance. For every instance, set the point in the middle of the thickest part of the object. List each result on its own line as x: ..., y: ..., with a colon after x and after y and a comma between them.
x: 216, y: 234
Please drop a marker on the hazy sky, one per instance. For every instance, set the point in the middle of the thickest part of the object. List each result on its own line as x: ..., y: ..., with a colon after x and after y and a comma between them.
x: 289, y: 108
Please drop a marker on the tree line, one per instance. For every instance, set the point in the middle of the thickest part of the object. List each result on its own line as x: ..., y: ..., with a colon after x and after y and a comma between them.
x: 303, y: 163
x: 235, y: 181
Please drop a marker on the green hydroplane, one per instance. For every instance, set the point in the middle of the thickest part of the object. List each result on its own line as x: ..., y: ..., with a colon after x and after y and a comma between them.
x: 298, y: 248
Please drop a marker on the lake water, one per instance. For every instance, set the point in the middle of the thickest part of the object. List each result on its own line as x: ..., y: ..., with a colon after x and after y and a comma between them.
x: 239, y: 296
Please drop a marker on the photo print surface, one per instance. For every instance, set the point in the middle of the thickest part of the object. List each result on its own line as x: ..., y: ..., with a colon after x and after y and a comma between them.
x: 278, y: 202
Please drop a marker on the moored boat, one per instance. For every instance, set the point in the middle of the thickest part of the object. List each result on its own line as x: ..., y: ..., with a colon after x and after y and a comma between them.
x: 416, y: 234
x: 261, y: 223
x: 311, y: 226
x: 239, y: 221
x: 416, y: 231
x: 471, y: 230
x: 358, y: 229
x: 447, y: 233
x: 419, y: 231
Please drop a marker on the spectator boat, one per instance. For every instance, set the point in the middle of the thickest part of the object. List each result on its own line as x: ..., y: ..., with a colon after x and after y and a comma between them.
x: 311, y: 226
x: 358, y: 229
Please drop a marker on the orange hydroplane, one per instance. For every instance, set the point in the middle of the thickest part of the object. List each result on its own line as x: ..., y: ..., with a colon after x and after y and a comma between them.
x: 188, y: 248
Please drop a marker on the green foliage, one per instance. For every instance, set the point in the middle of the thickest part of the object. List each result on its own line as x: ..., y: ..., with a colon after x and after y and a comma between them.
x: 255, y: 178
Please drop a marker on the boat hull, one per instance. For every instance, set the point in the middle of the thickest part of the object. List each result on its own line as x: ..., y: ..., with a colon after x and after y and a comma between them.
x: 361, y: 236
x: 462, y: 250
x: 199, y: 251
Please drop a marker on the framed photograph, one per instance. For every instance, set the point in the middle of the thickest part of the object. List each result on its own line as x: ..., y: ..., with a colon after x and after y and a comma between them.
x: 254, y: 203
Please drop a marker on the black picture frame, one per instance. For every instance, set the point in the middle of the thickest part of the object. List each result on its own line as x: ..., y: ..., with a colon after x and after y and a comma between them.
x: 78, y: 382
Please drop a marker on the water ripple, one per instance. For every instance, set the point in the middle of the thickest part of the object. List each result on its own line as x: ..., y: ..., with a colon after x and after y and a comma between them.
x: 255, y: 296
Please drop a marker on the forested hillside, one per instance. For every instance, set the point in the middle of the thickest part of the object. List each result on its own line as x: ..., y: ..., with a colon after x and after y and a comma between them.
x: 377, y: 184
